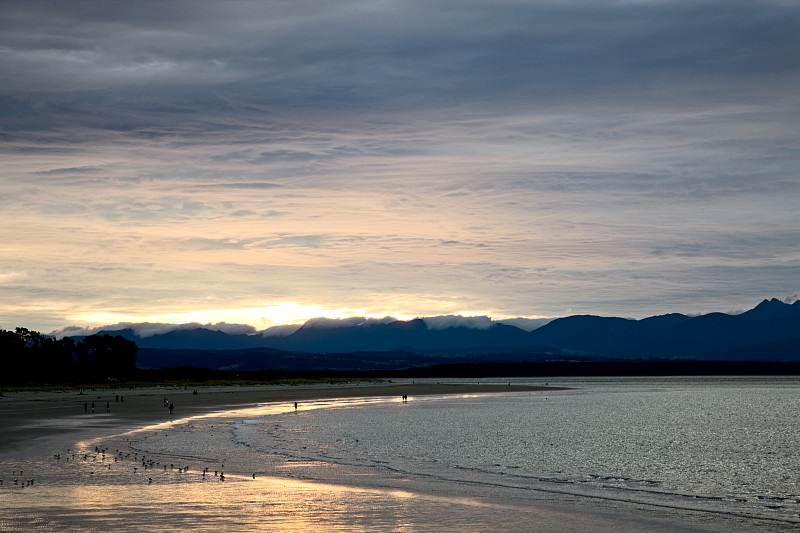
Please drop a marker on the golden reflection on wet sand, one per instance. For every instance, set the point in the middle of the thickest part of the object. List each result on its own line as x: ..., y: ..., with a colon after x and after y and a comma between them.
x: 240, y: 504
x: 236, y: 504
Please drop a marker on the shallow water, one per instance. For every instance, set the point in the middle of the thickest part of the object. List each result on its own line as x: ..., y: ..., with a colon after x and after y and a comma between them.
x: 727, y: 446
x: 717, y: 453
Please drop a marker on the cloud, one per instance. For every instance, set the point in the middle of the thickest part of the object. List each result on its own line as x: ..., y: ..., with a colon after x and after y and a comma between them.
x: 148, y: 329
x: 305, y: 241
x: 405, y: 159
x: 350, y: 322
x: 287, y: 156
x: 505, y: 55
x: 214, y: 244
x: 458, y: 321
x: 244, y: 186
x: 72, y: 170
x: 243, y: 213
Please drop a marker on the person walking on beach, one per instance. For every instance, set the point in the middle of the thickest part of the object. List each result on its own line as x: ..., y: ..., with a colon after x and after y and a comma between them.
x: 92, y: 407
x: 108, y: 407
x: 171, y: 407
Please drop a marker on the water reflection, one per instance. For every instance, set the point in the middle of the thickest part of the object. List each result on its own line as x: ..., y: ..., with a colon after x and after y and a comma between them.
x: 272, y: 504
x: 237, y: 504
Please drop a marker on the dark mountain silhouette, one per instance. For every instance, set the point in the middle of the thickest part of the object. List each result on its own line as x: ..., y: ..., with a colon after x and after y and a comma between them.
x: 678, y: 336
x: 412, y: 335
x: 773, y: 308
x: 768, y: 332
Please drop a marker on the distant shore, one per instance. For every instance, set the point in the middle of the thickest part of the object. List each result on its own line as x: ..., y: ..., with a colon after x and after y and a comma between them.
x: 35, y: 417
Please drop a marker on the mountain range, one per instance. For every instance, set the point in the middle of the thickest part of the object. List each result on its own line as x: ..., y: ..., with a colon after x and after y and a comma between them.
x: 768, y: 332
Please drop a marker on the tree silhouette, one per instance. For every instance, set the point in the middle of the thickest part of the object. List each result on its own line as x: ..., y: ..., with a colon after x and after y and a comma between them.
x: 110, y: 357
x: 27, y: 356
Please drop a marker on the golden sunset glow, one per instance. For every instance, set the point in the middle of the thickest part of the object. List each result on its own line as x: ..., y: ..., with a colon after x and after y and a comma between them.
x: 259, y: 317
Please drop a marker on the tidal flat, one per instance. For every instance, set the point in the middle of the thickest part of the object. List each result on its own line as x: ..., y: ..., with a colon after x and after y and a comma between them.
x: 347, y: 458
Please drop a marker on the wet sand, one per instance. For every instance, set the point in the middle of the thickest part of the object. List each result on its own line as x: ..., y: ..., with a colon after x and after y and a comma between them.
x: 96, y: 494
x: 29, y: 415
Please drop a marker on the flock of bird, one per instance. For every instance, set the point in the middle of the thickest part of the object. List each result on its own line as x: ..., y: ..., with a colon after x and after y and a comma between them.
x: 141, y: 464
x: 23, y: 483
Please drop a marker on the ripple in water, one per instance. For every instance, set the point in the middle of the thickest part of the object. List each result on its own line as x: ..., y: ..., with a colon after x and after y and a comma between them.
x: 727, y: 446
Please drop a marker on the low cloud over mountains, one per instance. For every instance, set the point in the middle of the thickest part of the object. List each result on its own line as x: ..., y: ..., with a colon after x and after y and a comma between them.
x: 768, y: 332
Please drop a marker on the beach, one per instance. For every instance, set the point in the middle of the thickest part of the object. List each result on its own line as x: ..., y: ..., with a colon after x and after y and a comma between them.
x: 138, y: 467
x: 48, y: 415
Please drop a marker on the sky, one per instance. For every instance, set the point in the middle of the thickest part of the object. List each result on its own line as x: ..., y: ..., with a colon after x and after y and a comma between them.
x: 267, y: 162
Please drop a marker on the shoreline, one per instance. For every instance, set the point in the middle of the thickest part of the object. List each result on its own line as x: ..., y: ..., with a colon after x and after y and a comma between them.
x: 29, y: 419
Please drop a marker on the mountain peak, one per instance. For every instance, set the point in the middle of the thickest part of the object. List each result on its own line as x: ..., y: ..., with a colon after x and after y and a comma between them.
x: 773, y: 308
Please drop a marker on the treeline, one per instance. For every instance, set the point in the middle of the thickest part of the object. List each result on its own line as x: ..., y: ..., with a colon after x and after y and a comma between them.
x: 28, y: 357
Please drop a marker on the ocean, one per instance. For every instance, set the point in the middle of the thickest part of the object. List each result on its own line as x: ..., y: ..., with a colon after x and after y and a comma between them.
x: 702, y: 454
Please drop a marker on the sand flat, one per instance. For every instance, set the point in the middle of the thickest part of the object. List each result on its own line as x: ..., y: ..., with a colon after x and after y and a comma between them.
x: 28, y: 415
